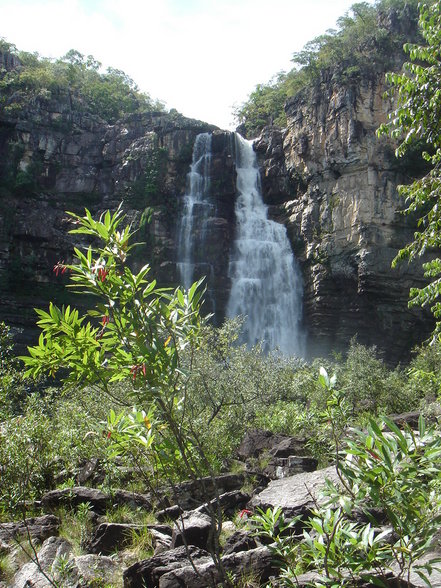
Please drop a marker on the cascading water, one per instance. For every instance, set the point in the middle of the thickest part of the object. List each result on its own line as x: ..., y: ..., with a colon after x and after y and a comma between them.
x: 198, y: 208
x: 265, y: 279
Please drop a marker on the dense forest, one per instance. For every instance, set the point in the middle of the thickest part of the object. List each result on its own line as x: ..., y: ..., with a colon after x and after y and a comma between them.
x: 130, y: 416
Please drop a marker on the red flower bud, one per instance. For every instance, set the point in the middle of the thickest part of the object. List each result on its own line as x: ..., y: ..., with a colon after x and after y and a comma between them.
x: 59, y: 267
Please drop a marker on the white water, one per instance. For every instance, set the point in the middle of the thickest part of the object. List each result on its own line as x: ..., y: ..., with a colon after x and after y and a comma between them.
x: 198, y: 208
x: 266, y: 283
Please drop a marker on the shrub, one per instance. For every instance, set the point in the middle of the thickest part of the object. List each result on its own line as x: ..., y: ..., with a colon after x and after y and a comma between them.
x: 383, y: 472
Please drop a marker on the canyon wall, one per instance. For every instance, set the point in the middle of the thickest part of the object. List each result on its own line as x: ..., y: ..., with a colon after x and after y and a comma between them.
x: 327, y: 177
x: 334, y: 184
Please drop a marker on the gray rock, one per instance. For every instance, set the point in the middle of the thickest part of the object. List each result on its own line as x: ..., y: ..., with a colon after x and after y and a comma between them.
x: 162, y: 541
x: 257, y: 442
x: 77, y: 495
x: 132, y: 499
x: 109, y: 537
x: 406, y: 418
x: 294, y: 495
x: 38, y: 528
x: 191, y: 494
x: 258, y: 561
x: 239, y: 541
x: 192, y: 528
x: 435, y: 576
x: 93, y: 570
x: 35, y: 575
x: 289, y: 446
x: 147, y: 573
x: 171, y: 513
x: 229, y: 502
x: 281, y: 467
x: 89, y: 471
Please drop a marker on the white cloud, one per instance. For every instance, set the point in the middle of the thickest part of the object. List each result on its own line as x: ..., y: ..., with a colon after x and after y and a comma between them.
x: 199, y: 56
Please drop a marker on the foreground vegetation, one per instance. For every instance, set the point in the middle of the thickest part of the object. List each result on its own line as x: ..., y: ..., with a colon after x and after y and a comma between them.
x: 143, y: 381
x: 149, y: 385
x: 47, y: 430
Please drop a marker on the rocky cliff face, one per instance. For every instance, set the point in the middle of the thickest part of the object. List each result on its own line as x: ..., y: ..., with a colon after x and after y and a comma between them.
x: 55, y: 158
x: 327, y: 177
x: 334, y: 184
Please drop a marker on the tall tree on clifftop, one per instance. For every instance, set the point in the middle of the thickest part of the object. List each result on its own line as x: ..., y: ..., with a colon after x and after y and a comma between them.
x: 417, y: 118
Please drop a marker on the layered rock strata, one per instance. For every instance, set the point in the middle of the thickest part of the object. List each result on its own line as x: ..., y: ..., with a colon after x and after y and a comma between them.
x: 55, y: 158
x: 327, y: 177
x: 334, y: 183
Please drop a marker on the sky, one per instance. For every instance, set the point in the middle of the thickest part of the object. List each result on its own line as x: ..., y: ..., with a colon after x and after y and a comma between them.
x: 202, y: 57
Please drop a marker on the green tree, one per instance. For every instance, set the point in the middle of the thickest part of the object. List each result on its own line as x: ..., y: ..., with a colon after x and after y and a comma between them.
x: 363, y: 45
x: 417, y: 118
x: 110, y: 95
x: 135, y: 333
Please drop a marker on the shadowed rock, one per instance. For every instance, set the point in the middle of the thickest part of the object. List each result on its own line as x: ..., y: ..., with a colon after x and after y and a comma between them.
x: 38, y: 528
x: 75, y: 496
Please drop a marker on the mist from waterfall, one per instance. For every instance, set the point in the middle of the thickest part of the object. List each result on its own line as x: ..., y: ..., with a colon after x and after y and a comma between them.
x: 266, y: 284
x: 198, y: 208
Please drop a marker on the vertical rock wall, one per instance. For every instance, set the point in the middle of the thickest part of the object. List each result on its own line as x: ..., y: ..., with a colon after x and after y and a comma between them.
x: 334, y: 184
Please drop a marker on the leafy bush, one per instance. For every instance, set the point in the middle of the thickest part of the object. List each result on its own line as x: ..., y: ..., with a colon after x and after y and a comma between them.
x: 384, y: 473
x: 12, y: 387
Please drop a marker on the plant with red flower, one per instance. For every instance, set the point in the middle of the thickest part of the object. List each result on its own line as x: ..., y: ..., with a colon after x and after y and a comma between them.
x: 135, y: 370
x: 102, y: 274
x: 245, y: 513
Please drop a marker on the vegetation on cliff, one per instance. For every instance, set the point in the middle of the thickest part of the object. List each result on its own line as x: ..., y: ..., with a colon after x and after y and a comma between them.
x: 416, y: 123
x: 368, y: 41
x: 110, y: 95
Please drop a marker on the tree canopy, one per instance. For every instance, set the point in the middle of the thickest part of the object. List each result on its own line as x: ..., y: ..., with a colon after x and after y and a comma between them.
x: 368, y: 40
x: 109, y: 94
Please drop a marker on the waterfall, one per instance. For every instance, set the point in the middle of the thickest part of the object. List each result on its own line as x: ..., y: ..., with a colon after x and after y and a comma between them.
x: 266, y: 284
x: 198, y: 209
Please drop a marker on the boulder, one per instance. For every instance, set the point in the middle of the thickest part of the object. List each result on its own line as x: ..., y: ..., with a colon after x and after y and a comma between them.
x: 239, y: 541
x: 132, y: 499
x: 90, y: 470
x: 258, y: 442
x: 295, y: 495
x: 162, y: 541
x: 39, y: 576
x: 258, y: 561
x: 230, y: 502
x: 38, y: 528
x: 192, y: 528
x: 147, y: 573
x: 281, y: 467
x: 77, y: 495
x: 171, y: 513
x: 191, y: 494
x: 109, y: 537
x: 93, y: 570
x: 406, y: 418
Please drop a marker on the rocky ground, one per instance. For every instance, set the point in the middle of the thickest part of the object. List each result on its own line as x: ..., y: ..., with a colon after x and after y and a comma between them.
x: 277, y: 472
